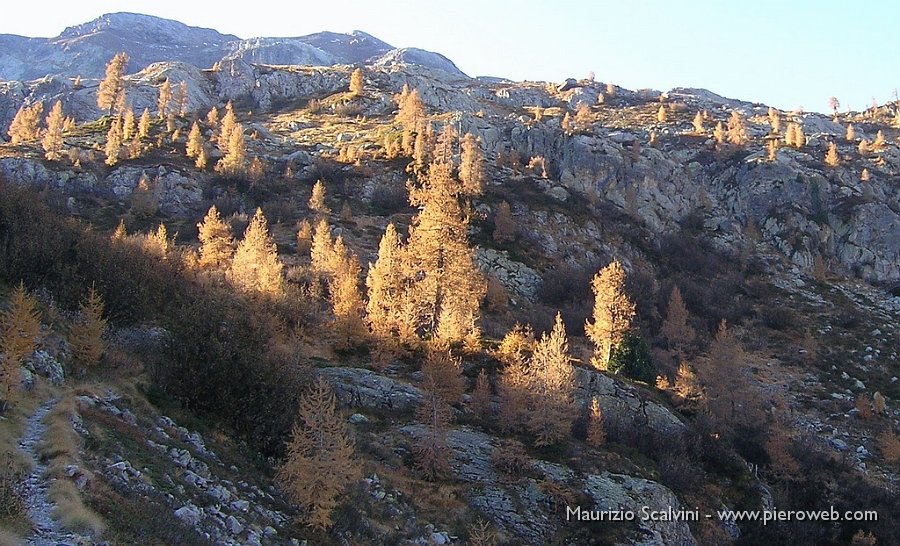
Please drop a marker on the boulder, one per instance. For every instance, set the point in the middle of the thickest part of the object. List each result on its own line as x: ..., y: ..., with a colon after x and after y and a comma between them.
x: 361, y: 388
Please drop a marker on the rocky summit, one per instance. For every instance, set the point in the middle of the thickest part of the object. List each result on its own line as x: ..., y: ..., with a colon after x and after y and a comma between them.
x: 83, y: 50
x: 321, y: 290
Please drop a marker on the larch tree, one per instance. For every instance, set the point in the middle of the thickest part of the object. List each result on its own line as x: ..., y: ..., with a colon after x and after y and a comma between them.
x: 442, y: 373
x: 256, y: 267
x: 112, y: 86
x: 832, y: 159
x: 194, y: 141
x: 678, y: 333
x: 851, y: 133
x: 480, y: 401
x: 356, y: 82
x: 226, y: 127
x: 20, y: 325
x: 212, y: 118
x: 514, y: 383
x: 181, y: 99
x: 120, y: 234
x: 164, y: 103
x: 317, y: 199
x: 432, y: 452
x: 551, y: 386
x: 144, y: 124
x: 505, y: 227
x: 384, y: 309
x: 411, y: 117
x: 53, y: 137
x: 730, y: 397
x: 698, y: 124
x: 582, y: 119
x: 596, y: 436
x: 471, y: 165
x: 719, y: 133
x: 613, y: 312
x: 86, y: 333
x: 445, y: 286
x: 216, y: 240
x: 233, y: 163
x: 347, y: 303
x: 737, y: 130
x: 322, y: 248
x: 774, y: 120
x: 304, y: 237
x: 26, y: 125
x: 114, y: 142
x: 129, y: 124
x: 320, y: 464
x: 661, y: 114
x: 878, y: 143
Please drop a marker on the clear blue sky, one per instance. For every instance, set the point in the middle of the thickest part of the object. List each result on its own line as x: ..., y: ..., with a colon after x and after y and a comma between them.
x: 787, y: 53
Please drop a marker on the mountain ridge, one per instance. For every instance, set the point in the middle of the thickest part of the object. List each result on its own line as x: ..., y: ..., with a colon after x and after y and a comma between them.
x: 84, y: 49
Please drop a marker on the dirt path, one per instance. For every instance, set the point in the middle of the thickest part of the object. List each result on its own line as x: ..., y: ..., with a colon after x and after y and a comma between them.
x: 45, y: 529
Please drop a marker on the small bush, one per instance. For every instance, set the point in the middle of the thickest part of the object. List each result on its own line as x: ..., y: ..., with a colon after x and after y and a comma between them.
x: 632, y: 359
x: 778, y: 318
x: 12, y: 504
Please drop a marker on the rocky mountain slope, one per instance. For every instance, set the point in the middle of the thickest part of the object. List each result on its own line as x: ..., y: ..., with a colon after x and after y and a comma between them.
x: 801, y: 258
x: 83, y: 50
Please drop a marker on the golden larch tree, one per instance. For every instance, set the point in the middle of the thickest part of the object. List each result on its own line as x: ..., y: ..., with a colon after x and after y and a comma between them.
x: 347, y: 303
x: 442, y: 374
x: 878, y: 143
x: 356, y: 82
x: 551, y: 386
x: 445, y: 286
x: 114, y: 142
x: 256, y: 267
x: 471, y: 165
x: 212, y: 118
x: 320, y: 464
x: 216, y: 240
x: 698, y: 124
x: 737, y: 130
x: 194, y: 141
x: 851, y: 133
x: 129, y: 124
x: 53, y: 138
x: 317, y: 199
x: 322, y: 248
x: 774, y: 120
x: 163, y: 104
x: 20, y: 325
x: 613, y: 312
x: 596, y: 436
x: 661, y: 114
x: 384, y: 310
x: 144, y: 124
x: 86, y: 333
x: 304, y: 237
x: 832, y: 159
x: 26, y: 125
x: 226, y: 127
x: 112, y: 86
x: 233, y: 163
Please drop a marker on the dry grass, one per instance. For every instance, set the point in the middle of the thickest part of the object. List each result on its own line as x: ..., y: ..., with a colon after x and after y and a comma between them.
x: 8, y: 538
x: 61, y: 447
x: 71, y: 511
